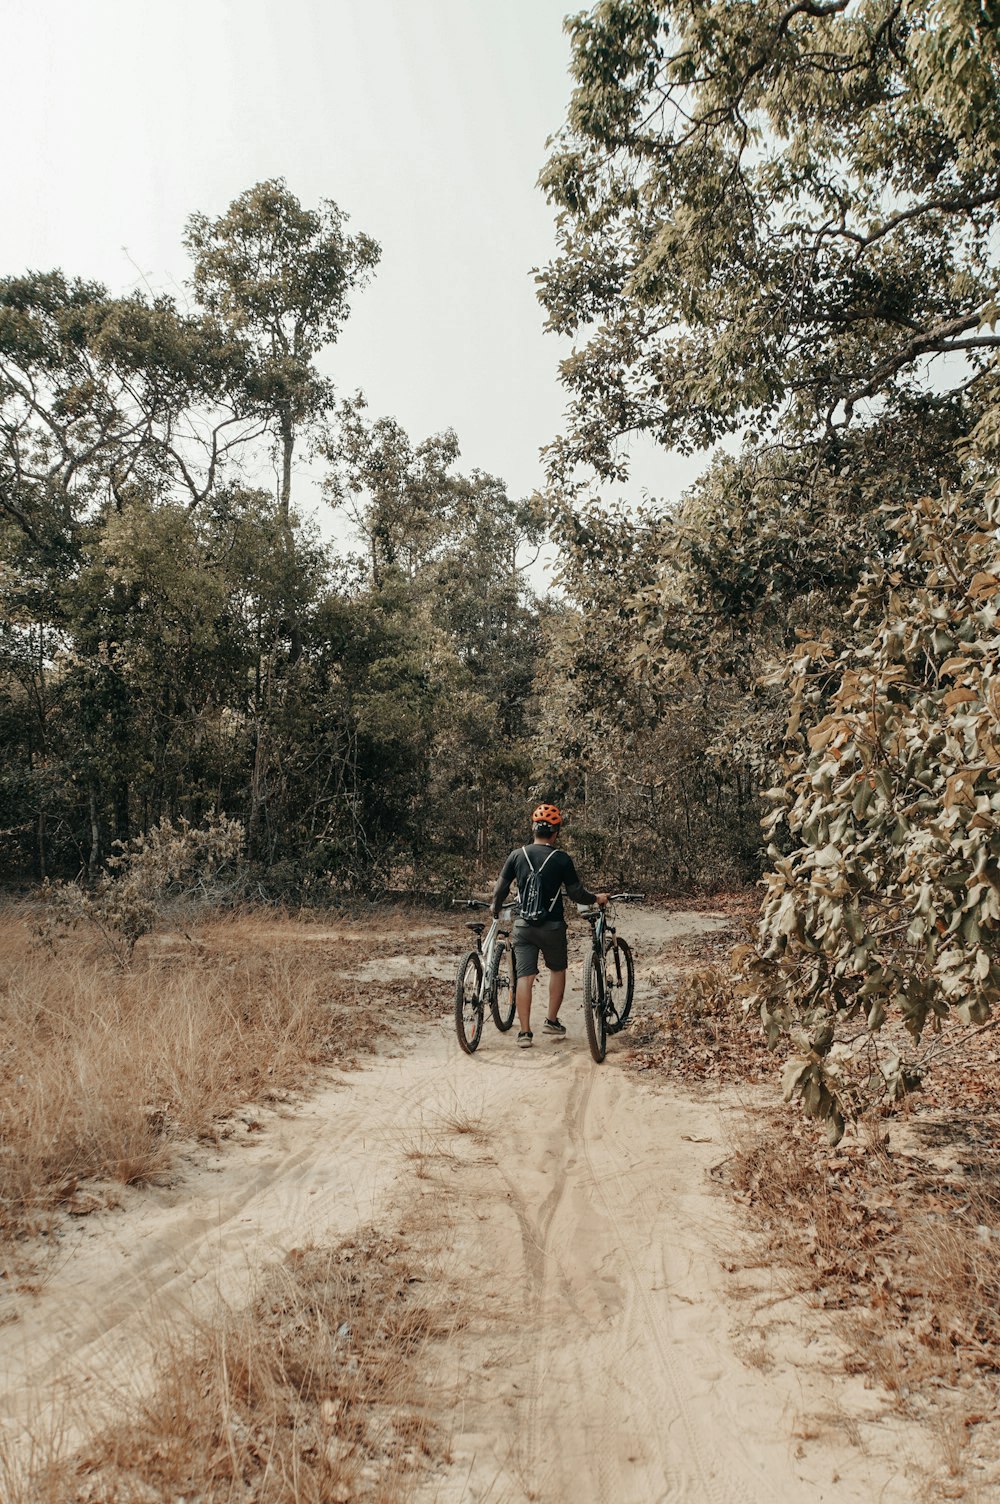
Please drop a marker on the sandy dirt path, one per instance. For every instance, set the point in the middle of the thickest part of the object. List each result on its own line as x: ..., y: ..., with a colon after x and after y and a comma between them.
x: 602, y: 1368
x: 582, y: 1234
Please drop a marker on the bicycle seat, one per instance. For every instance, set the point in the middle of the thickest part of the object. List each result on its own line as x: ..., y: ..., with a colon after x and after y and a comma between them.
x: 477, y: 929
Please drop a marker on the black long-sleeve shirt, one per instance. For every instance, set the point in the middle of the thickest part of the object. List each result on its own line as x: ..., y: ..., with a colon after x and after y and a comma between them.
x: 558, y: 873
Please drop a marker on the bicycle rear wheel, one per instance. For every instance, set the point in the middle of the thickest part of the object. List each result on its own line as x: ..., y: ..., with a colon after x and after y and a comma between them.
x: 502, y: 987
x: 469, y: 1002
x: 619, y: 976
x: 593, y: 1005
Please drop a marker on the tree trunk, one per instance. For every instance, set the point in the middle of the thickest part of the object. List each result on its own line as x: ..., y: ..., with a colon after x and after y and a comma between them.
x: 122, y: 827
x: 95, y: 836
x: 287, y: 433
x: 257, y: 777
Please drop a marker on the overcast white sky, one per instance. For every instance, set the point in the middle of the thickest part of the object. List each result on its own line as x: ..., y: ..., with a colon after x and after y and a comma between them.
x: 425, y: 120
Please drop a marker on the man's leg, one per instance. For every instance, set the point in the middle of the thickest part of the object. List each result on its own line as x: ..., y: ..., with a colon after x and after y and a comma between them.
x: 524, y: 986
x: 557, y: 989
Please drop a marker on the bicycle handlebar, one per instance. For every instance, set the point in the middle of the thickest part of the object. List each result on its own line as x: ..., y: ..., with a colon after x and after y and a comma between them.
x: 477, y: 903
x: 616, y: 898
x: 593, y: 910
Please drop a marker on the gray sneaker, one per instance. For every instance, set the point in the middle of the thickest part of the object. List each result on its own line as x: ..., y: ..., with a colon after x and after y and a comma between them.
x: 524, y: 1039
x: 555, y: 1028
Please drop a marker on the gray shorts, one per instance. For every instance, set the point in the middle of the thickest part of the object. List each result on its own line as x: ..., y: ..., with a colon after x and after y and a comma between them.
x: 528, y: 939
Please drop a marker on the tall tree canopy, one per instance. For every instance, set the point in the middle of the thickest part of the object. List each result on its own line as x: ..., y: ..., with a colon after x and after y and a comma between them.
x: 279, y: 277
x: 772, y: 215
x: 778, y: 221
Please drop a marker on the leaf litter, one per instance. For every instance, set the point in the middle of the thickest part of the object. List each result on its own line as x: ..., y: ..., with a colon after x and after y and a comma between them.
x: 892, y: 1237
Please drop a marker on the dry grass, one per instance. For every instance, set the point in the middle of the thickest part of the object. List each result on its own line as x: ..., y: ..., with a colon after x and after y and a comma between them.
x: 904, y: 1256
x: 314, y: 1394
x: 101, y: 1069
x: 897, y: 1247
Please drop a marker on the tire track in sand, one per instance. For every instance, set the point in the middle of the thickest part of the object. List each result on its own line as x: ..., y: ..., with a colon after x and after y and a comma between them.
x: 584, y: 1244
x: 537, y: 1255
x: 121, y: 1279
x: 699, y: 1479
x: 595, y: 1366
x: 595, y: 1404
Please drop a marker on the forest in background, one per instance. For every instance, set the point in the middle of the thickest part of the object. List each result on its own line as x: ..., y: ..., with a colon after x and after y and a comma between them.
x: 777, y: 232
x: 177, y: 641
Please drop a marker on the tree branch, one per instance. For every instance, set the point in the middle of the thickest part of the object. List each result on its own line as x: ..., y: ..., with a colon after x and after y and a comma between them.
x: 939, y: 341
x: 946, y: 205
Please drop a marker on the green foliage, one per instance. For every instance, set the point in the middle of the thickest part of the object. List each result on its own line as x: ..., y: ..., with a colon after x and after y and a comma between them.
x: 175, y: 642
x: 279, y: 277
x: 774, y: 220
x: 277, y: 273
x: 169, y: 860
x: 442, y: 562
x: 633, y: 737
x: 770, y: 214
x: 888, y: 903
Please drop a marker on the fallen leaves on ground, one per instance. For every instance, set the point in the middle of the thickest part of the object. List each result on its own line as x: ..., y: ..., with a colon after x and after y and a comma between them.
x: 894, y: 1235
x: 691, y: 1026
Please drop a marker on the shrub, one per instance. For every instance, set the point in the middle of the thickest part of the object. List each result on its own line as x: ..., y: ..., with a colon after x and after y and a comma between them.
x: 126, y: 901
x: 888, y: 903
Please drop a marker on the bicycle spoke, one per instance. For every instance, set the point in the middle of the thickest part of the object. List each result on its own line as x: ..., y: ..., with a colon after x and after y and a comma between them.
x: 469, y: 1002
x: 594, y: 1004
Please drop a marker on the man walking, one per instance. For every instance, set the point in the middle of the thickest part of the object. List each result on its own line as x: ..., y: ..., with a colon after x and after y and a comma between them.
x: 541, y: 872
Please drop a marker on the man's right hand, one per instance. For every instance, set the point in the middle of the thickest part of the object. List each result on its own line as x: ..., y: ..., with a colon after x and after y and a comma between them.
x: 601, y: 899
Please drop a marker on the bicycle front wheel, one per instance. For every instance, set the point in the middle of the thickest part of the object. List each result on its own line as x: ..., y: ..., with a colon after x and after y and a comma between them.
x: 593, y: 1005
x: 502, y: 987
x: 619, y: 978
x: 469, y: 1002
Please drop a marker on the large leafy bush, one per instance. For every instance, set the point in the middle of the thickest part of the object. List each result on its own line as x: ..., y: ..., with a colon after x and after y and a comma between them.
x: 887, y: 904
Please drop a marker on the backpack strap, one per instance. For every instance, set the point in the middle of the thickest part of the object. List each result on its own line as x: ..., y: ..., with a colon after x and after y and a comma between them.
x: 538, y: 872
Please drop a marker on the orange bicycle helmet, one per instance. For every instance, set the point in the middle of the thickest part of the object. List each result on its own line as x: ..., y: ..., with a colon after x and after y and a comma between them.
x: 546, y: 814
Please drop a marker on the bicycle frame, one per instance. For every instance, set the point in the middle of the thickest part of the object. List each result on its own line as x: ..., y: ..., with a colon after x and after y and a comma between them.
x: 486, y: 946
x: 492, y: 945
x: 599, y: 926
x: 601, y: 1015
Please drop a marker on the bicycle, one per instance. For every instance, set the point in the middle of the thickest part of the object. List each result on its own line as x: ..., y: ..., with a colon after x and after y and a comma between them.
x: 608, y: 977
x: 484, y: 976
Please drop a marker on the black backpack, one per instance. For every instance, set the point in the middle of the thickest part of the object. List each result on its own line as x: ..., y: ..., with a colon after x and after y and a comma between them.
x: 533, y: 908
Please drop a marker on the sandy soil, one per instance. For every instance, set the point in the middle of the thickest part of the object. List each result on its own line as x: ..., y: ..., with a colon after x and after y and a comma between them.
x: 606, y: 1354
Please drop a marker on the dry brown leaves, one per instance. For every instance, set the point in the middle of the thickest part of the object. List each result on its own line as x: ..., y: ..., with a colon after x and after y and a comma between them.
x: 895, y: 1234
x: 694, y: 1029
x: 315, y: 1393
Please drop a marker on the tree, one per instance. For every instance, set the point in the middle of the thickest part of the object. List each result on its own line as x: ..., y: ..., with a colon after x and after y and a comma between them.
x: 400, y: 497
x: 279, y: 277
x: 105, y: 404
x: 886, y: 901
x: 650, y: 720
x: 779, y: 220
x: 453, y: 549
x: 773, y: 216
x: 175, y: 646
